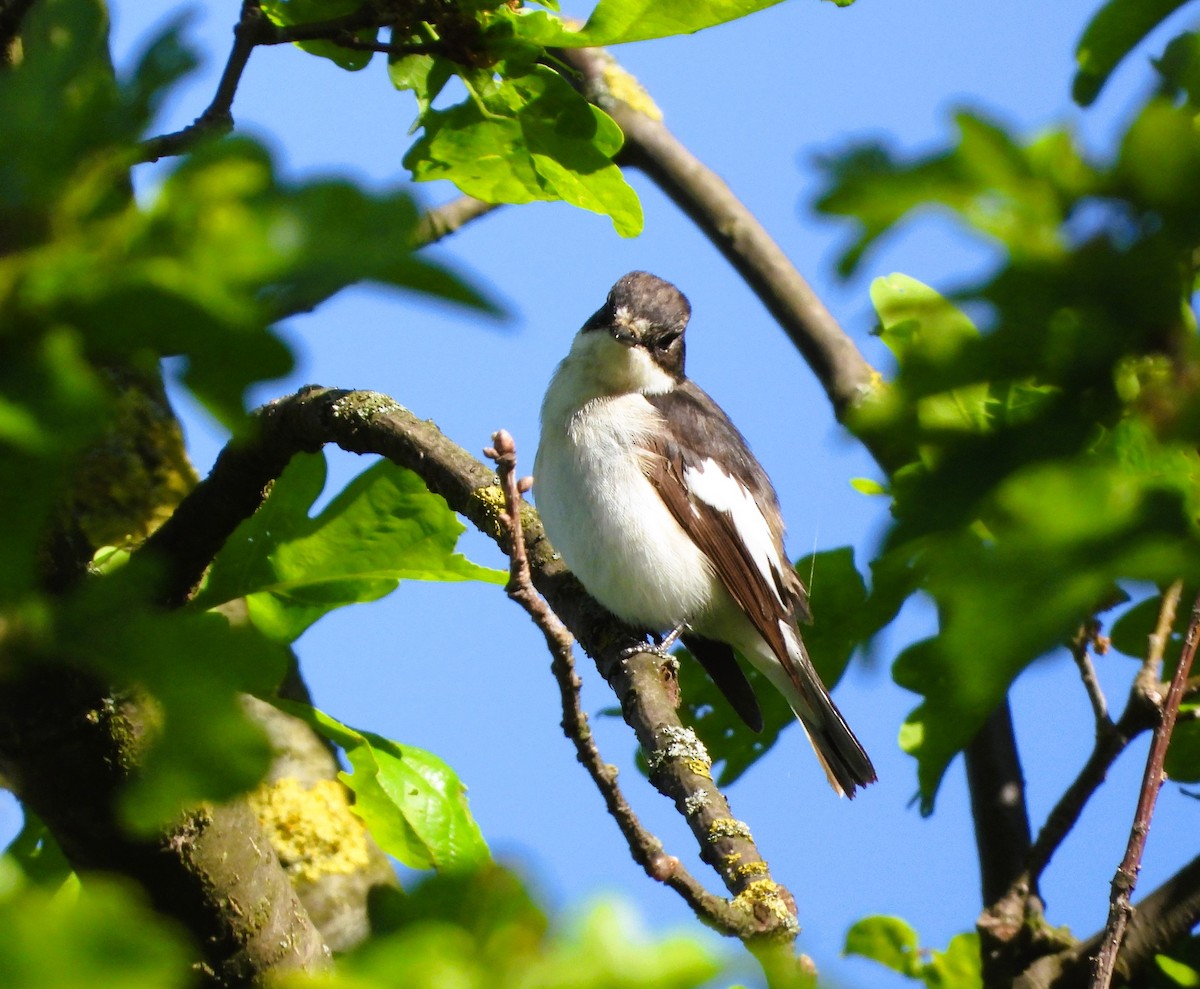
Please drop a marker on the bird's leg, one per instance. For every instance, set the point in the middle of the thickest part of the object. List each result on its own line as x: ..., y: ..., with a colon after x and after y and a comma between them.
x: 672, y: 637
x: 660, y: 647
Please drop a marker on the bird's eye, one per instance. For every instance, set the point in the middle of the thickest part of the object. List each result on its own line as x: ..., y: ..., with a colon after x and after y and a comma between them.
x: 664, y: 342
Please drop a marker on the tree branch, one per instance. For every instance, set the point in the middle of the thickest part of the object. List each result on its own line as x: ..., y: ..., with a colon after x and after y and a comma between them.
x: 442, y: 221
x: 646, y: 849
x: 66, y: 745
x: 997, y: 787
x: 730, y: 226
x: 1125, y: 879
x: 365, y: 422
x: 253, y: 29
x: 1088, y: 633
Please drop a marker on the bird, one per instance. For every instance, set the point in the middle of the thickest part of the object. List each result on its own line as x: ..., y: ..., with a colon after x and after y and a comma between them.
x: 652, y: 498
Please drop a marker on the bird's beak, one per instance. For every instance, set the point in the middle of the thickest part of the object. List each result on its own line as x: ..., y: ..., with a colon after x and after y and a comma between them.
x: 622, y: 334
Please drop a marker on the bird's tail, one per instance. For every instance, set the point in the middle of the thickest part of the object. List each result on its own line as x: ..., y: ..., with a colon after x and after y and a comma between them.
x: 843, y: 758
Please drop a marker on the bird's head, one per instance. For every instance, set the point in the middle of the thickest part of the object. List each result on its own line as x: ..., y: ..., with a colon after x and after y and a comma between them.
x: 634, y: 342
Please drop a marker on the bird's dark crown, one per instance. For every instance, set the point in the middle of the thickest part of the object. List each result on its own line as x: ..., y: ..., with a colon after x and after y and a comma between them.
x: 643, y: 310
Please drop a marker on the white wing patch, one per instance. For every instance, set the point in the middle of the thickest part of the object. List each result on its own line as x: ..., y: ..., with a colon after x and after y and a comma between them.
x: 725, y: 493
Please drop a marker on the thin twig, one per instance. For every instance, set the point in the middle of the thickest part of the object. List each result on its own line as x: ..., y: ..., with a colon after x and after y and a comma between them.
x: 366, y: 422
x: 252, y: 30
x: 441, y: 221
x: 1120, y: 906
x: 645, y: 847
x: 1079, y: 646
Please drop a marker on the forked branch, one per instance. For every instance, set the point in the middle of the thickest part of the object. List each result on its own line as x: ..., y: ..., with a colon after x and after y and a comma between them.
x: 365, y: 422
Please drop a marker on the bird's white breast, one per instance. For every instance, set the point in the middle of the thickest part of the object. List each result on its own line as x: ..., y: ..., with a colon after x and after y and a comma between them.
x: 603, y: 515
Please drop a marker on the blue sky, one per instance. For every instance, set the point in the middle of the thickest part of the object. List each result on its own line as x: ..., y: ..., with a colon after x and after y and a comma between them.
x: 458, y: 670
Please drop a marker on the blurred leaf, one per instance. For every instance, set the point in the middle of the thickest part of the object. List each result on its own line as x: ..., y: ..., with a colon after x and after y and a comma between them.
x: 194, y: 666
x: 1179, y: 965
x: 528, y: 138
x: 479, y: 930
x: 1160, y: 162
x: 101, y: 936
x: 1061, y: 536
x: 64, y: 76
x: 37, y: 856
x: 887, y: 940
x: 412, y: 803
x: 1130, y: 633
x: 958, y: 967
x: 1112, y: 33
x: 385, y: 526
x: 615, y: 22
x: 1018, y: 195
x: 892, y: 943
x: 1182, y: 763
x: 1179, y: 68
x: 606, y: 949
x: 53, y: 406
x: 868, y: 486
x: 489, y: 901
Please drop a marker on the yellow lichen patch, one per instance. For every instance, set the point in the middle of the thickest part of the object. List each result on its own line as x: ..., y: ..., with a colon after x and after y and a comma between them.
x: 752, y: 869
x: 623, y: 85
x: 728, y: 827
x: 762, y: 897
x: 492, y: 496
x: 312, y: 829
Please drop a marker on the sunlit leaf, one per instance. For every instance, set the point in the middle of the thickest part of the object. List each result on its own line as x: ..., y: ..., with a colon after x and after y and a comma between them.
x: 887, y: 940
x: 615, y: 22
x: 412, y: 803
x: 529, y: 138
x: 384, y: 527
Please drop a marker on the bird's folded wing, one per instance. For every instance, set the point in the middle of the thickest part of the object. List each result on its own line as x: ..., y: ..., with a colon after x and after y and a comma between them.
x: 721, y: 497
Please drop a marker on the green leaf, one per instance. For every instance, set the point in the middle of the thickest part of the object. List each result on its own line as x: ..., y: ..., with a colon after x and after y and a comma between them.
x: 528, y: 138
x: 1130, y: 633
x: 868, y: 486
x: 604, y: 949
x: 1073, y: 527
x: 195, y: 666
x: 1179, y: 68
x: 887, y: 940
x: 1016, y: 194
x: 894, y: 944
x: 615, y: 22
x: 1177, y: 972
x: 480, y: 929
x: 100, y: 936
x: 425, y: 75
x: 1112, y: 34
x: 37, y: 856
x: 384, y: 527
x: 53, y: 406
x: 287, y: 12
x: 958, y: 967
x: 412, y: 803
